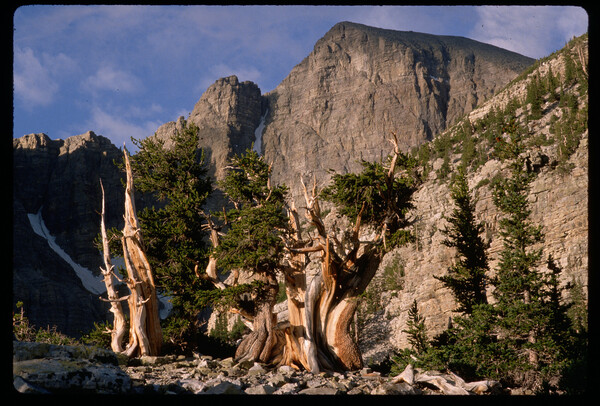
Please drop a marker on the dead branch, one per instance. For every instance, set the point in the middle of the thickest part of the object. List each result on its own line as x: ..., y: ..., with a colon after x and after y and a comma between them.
x: 119, y: 327
x: 121, y: 299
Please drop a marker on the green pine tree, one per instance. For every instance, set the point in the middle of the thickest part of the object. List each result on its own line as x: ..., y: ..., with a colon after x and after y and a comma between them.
x: 417, y: 334
x: 251, y: 232
x: 386, y: 201
x: 172, y: 227
x: 467, y: 277
x: 257, y: 220
x: 531, y: 319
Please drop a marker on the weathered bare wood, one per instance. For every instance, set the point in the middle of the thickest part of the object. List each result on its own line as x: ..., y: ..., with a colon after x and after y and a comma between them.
x: 143, y: 302
x: 119, y: 326
x: 408, y: 376
x: 317, y: 335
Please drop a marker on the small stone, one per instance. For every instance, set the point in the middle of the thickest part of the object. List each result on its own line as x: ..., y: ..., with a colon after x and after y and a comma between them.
x: 278, y: 379
x: 246, y: 364
x: 260, y: 390
x: 256, y: 369
x: 287, y: 389
x: 394, y: 389
x: 224, y: 388
x: 287, y: 370
x: 323, y: 390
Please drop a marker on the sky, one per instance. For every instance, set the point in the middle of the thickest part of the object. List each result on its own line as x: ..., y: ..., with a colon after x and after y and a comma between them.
x: 123, y: 71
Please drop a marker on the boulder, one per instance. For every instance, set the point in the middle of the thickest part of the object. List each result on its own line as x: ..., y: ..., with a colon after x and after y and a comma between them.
x: 47, y: 368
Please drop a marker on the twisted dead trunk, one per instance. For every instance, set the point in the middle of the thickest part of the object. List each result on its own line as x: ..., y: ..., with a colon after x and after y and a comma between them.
x: 321, y: 310
x: 116, y: 308
x: 145, y: 331
x: 259, y: 345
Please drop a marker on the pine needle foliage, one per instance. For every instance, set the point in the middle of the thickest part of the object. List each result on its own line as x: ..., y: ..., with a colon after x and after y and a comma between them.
x: 417, y: 334
x: 256, y: 223
x: 177, y: 179
x: 385, y: 202
x: 467, y: 277
x: 525, y: 337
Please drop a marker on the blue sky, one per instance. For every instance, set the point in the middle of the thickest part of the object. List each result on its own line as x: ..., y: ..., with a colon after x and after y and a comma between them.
x: 123, y: 71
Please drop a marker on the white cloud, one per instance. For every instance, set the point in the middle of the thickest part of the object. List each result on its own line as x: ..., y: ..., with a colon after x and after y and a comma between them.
x: 222, y: 70
x: 118, y: 128
x: 36, y: 77
x: 528, y: 30
x: 108, y: 78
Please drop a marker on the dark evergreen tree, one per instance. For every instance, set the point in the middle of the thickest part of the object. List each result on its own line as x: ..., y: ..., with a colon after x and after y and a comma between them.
x: 176, y: 179
x: 254, y: 225
x: 252, y: 239
x: 467, y: 277
x: 535, y: 95
x: 417, y: 334
x: 382, y: 199
x: 531, y: 320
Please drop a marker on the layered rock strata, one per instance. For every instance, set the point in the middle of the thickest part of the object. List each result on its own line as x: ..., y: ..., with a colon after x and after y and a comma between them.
x: 341, y: 102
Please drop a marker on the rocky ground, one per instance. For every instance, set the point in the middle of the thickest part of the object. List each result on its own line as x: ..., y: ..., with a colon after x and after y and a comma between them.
x: 55, y: 369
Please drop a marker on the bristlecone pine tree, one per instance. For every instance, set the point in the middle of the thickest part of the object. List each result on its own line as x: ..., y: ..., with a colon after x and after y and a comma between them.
x: 254, y: 237
x: 145, y: 334
x: 176, y: 177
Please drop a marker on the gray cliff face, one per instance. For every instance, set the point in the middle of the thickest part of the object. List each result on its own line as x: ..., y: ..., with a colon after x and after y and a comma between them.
x: 341, y: 102
x: 60, y: 181
x: 227, y: 115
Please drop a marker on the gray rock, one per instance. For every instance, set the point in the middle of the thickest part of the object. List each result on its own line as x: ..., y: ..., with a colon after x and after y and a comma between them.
x: 288, y: 388
x: 224, y: 388
x: 23, y: 386
x: 256, y: 369
x: 395, y: 389
x: 359, y: 83
x: 319, y: 391
x: 260, y: 390
x: 61, y: 369
x: 278, y: 379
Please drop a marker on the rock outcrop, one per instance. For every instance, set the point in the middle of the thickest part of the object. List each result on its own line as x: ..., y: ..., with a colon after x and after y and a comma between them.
x: 60, y: 369
x: 227, y: 115
x: 559, y: 203
x: 340, y: 103
x: 56, y: 185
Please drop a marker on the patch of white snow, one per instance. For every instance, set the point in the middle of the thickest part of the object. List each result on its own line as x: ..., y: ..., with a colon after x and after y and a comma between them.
x: 258, y: 133
x: 92, y: 283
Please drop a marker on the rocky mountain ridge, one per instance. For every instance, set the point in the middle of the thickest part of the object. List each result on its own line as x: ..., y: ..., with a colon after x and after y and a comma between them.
x: 359, y: 83
x: 56, y: 190
x: 336, y: 107
x: 558, y: 198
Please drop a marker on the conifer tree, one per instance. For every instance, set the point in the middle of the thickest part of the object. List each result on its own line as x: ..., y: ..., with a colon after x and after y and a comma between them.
x: 518, y: 283
x: 467, y: 277
x: 527, y: 328
x: 252, y: 239
x: 531, y: 318
x: 417, y: 336
x: 176, y: 178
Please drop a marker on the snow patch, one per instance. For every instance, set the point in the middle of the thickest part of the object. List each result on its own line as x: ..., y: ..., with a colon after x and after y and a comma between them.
x: 258, y: 133
x: 92, y: 283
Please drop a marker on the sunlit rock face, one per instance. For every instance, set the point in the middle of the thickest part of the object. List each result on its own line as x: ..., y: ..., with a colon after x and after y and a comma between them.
x: 341, y: 102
